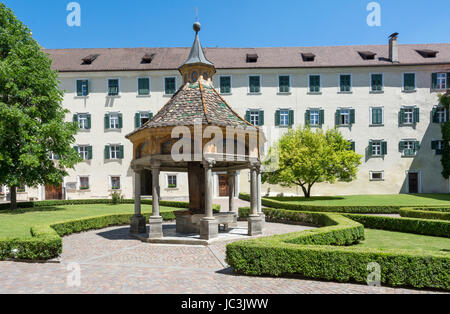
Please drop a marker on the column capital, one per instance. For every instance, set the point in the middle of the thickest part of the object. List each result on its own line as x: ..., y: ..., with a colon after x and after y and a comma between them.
x: 209, y: 162
x: 155, y: 164
x: 255, y: 166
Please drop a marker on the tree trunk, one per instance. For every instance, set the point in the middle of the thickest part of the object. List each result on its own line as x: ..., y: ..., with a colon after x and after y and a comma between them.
x: 13, y: 197
x: 305, y: 191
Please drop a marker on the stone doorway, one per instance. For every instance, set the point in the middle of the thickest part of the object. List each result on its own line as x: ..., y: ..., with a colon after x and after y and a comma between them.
x: 224, y: 185
x: 53, y: 192
x: 413, y: 182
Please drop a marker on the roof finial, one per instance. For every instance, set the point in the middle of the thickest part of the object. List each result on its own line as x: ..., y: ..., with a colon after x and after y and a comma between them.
x: 197, y: 27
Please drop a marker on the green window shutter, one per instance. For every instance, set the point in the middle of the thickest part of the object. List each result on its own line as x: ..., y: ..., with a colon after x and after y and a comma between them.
x: 345, y: 83
x: 79, y: 88
x: 75, y: 118
x: 150, y: 115
x: 338, y: 118
x: 322, y: 117
x: 435, y: 115
x: 113, y: 87
x: 308, y: 117
x: 448, y: 80
x: 314, y: 83
x: 370, y: 148
x: 291, y: 117
x: 433, y: 145
x: 277, y: 118
x: 225, y: 85
x: 88, y: 122
x: 401, y: 146
x: 377, y: 82
x: 144, y: 86
x: 255, y: 84
x: 377, y: 116
x: 353, y: 146
x: 120, y: 121
x: 409, y: 81
x: 352, y: 116
x: 88, y: 87
x: 261, y: 117
x: 434, y: 81
x: 402, y: 116
x: 416, y: 146
x: 284, y: 84
x: 107, y: 152
x: 89, y: 152
x: 384, y: 148
x: 76, y: 149
x: 137, y: 120
x: 121, y: 152
x: 247, y: 116
x: 416, y: 115
x: 107, y: 124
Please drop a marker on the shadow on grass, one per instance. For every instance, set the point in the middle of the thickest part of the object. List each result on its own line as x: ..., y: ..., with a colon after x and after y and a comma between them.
x: 306, y: 200
x: 436, y: 197
x: 20, y: 211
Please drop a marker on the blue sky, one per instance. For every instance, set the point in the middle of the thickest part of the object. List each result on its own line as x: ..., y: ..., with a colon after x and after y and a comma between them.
x: 232, y: 23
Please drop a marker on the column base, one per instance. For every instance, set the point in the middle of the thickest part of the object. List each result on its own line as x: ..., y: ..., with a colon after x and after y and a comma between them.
x: 255, y: 225
x: 156, y: 230
x: 138, y: 224
x: 209, y: 229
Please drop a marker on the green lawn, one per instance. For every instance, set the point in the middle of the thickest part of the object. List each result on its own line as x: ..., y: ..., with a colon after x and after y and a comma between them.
x: 388, y: 240
x: 373, y: 200
x: 17, y: 225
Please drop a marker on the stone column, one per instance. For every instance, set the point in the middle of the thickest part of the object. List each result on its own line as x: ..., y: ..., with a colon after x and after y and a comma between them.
x: 232, y: 191
x: 255, y: 221
x: 209, y: 228
x: 156, y: 219
x: 137, y: 223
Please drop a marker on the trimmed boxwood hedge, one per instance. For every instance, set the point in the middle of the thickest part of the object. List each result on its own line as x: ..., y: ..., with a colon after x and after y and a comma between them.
x: 315, y: 254
x: 272, y: 203
x: 426, y: 213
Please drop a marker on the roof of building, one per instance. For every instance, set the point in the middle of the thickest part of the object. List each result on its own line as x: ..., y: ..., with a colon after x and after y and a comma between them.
x: 196, y: 103
x: 197, y: 55
x: 131, y: 59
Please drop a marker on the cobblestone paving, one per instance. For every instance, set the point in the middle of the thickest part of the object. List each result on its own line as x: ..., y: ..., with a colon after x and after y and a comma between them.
x: 112, y: 262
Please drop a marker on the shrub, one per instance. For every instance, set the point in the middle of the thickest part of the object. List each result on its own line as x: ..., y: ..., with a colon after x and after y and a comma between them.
x: 426, y: 213
x: 310, y: 254
x: 274, y: 203
x: 116, y: 198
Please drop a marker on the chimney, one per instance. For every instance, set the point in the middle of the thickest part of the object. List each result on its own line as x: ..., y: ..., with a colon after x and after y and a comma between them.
x: 393, y: 48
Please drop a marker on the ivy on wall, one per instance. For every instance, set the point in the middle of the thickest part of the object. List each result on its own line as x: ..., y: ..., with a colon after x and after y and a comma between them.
x: 445, y: 101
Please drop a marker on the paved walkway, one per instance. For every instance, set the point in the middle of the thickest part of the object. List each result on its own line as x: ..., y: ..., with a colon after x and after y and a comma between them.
x: 110, y: 261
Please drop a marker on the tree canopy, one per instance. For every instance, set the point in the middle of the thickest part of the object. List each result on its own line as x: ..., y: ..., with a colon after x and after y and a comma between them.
x: 445, y: 102
x: 306, y: 157
x: 31, y: 115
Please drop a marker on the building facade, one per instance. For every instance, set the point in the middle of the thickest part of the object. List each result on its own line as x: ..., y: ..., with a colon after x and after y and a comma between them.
x: 384, y: 99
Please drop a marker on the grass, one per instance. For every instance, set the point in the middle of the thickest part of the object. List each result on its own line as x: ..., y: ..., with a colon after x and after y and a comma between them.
x: 373, y: 200
x: 17, y: 224
x: 388, y: 240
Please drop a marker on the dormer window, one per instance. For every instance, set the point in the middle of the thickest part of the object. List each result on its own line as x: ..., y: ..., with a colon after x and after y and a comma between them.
x: 89, y: 59
x: 427, y: 53
x: 367, y: 55
x: 148, y: 58
x: 308, y: 57
x: 252, y: 58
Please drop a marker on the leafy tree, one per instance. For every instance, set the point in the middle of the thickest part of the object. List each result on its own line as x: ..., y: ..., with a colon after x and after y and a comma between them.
x: 445, y: 102
x: 307, y: 157
x: 31, y: 116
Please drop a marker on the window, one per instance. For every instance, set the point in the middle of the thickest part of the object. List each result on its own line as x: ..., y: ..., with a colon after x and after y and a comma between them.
x: 113, y: 121
x: 83, y: 120
x: 170, y: 85
x: 345, y: 83
x: 314, y: 83
x: 378, y: 148
x: 254, y: 84
x: 409, y: 115
x: 409, y: 148
x: 115, y: 183
x: 113, y: 87
x: 376, y: 116
x: 225, y: 84
x: 284, y: 117
x: 53, y: 156
x: 284, y: 83
x: 255, y: 117
x: 345, y: 117
x: 85, y: 152
x: 172, y: 181
x: 143, y: 86
x: 438, y: 146
x: 21, y: 189
x: 440, y: 81
x: 315, y: 117
x: 141, y: 118
x: 377, y: 82
x: 439, y: 115
x: 84, y: 183
x: 114, y: 152
x: 377, y: 176
x: 352, y: 146
x: 409, y: 82
x: 82, y: 88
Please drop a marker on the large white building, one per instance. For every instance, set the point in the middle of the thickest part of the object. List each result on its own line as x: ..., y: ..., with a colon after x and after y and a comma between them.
x: 384, y: 98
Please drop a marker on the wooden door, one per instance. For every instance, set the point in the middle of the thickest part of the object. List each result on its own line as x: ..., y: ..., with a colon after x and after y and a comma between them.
x: 53, y: 192
x: 413, y: 182
x: 224, y: 186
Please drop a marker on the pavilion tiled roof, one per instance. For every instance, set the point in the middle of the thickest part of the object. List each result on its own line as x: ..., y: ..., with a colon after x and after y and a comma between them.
x: 197, y: 103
